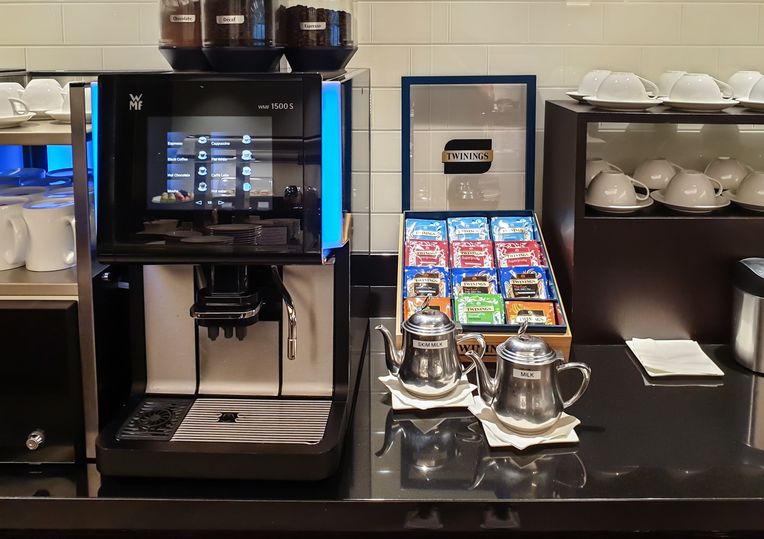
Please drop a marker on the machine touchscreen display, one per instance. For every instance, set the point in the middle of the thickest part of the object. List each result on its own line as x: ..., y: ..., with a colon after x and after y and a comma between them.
x: 207, y: 163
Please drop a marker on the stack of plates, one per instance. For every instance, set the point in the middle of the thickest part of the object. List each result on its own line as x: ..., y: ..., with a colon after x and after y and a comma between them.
x: 208, y: 240
x: 272, y: 235
x: 242, y: 233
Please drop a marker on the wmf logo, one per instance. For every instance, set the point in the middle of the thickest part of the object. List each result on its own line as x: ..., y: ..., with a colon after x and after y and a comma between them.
x: 136, y: 102
x: 467, y: 156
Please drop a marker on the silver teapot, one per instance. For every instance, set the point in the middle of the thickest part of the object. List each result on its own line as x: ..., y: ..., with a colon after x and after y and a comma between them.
x: 428, y: 366
x: 525, y: 394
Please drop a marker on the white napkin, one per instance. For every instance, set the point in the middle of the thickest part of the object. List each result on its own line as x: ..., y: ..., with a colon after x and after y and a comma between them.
x: 563, y: 432
x: 461, y: 397
x: 673, y: 358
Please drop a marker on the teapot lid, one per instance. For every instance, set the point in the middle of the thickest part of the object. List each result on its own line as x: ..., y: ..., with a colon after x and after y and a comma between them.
x: 525, y: 348
x: 428, y: 321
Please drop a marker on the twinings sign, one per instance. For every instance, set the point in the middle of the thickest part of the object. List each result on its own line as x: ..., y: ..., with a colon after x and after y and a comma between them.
x: 467, y: 156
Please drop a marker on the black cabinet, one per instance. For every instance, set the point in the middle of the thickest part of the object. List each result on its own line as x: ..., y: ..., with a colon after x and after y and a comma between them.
x: 40, y: 384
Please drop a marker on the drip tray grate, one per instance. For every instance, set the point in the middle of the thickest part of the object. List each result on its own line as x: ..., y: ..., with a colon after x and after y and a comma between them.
x: 154, y: 419
x: 255, y: 421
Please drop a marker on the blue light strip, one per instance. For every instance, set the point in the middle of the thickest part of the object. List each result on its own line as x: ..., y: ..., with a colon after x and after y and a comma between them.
x: 93, y: 147
x: 331, y: 166
x: 59, y: 157
x: 11, y: 157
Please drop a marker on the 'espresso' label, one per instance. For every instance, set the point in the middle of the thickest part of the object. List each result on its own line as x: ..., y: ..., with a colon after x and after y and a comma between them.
x: 308, y: 26
x: 525, y: 374
x: 182, y: 18
x: 430, y: 345
x: 230, y: 19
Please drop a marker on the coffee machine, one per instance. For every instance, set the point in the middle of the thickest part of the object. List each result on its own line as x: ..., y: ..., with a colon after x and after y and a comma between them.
x: 224, y: 211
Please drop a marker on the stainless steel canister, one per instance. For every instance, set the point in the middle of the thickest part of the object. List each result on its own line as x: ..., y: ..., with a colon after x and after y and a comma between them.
x: 748, y: 313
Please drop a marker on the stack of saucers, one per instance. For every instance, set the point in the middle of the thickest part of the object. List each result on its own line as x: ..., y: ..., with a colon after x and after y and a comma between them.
x: 272, y: 235
x: 242, y: 233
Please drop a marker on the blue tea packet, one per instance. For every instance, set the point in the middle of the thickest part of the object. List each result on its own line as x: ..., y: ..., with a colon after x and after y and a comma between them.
x: 513, y: 229
x: 474, y: 281
x: 426, y: 229
x: 525, y: 282
x: 426, y: 281
x: 468, y: 228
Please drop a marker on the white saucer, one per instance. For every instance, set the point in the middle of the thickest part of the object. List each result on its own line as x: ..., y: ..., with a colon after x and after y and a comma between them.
x: 700, y: 106
x: 722, y: 203
x: 608, y: 104
x: 65, y: 116
x: 753, y: 105
x: 729, y: 195
x: 641, y: 204
x: 13, y: 121
x: 40, y: 114
x: 578, y: 96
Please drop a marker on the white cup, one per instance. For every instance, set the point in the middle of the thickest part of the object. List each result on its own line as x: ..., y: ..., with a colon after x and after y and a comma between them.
x: 624, y: 86
x: 692, y: 188
x: 14, y: 87
x: 728, y: 171
x: 656, y: 173
x: 12, y: 106
x: 66, y: 94
x: 757, y: 91
x: 43, y: 94
x: 666, y: 82
x: 51, y: 234
x: 591, y: 81
x: 595, y: 166
x: 613, y: 188
x: 743, y: 81
x: 700, y: 88
x: 14, y: 236
x: 751, y: 189
x: 31, y: 192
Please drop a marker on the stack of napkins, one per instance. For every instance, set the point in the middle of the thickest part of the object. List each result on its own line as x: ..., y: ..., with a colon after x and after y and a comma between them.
x: 460, y: 397
x: 673, y: 358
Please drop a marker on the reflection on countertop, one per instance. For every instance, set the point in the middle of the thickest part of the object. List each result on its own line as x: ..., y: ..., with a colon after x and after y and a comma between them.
x: 637, y: 442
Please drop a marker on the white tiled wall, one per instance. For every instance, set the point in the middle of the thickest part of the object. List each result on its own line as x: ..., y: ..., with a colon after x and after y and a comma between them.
x: 558, y: 40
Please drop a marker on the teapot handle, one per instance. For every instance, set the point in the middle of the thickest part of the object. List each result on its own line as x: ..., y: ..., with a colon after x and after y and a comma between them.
x: 481, y: 343
x: 586, y: 372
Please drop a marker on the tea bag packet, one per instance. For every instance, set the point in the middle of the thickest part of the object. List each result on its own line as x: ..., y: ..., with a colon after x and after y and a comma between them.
x: 524, y: 282
x: 472, y: 254
x: 536, y: 313
x: 426, y: 229
x: 479, y: 309
x: 468, y: 228
x: 412, y: 305
x: 513, y: 229
x: 474, y: 281
x: 426, y: 253
x: 428, y: 281
x: 518, y: 253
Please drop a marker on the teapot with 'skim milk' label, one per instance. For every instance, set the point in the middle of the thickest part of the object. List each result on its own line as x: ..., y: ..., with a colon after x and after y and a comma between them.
x: 428, y: 366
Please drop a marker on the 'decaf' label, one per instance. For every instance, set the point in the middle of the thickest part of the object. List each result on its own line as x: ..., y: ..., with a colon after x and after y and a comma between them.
x: 526, y: 374
x: 430, y: 345
x: 467, y: 156
x: 230, y: 19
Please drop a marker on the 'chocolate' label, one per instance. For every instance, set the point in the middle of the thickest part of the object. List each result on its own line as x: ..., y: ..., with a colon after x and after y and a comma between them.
x: 182, y: 18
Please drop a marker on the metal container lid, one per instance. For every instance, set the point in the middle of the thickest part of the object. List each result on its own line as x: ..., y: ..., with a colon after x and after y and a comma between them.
x: 748, y: 276
x: 526, y: 349
x: 429, y: 322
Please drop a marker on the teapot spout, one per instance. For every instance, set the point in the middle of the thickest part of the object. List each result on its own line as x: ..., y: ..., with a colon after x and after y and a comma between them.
x: 393, y: 356
x: 486, y: 383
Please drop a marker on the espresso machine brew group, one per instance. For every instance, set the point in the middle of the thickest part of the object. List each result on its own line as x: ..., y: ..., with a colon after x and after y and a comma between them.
x: 224, y: 212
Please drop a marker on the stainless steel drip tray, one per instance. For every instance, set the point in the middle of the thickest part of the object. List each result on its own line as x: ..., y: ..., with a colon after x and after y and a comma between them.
x: 230, y: 420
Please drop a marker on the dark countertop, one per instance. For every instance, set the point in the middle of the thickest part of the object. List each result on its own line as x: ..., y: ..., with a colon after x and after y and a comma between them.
x: 651, y: 458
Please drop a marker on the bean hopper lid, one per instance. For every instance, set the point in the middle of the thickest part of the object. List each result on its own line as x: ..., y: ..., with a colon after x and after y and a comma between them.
x: 526, y: 349
x: 428, y: 321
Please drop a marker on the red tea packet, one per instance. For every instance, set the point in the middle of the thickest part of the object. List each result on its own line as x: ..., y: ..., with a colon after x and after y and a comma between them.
x: 518, y: 253
x: 426, y: 253
x: 472, y: 254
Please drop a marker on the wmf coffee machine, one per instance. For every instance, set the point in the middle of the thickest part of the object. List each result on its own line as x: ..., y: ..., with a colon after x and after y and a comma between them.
x: 223, y: 206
